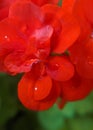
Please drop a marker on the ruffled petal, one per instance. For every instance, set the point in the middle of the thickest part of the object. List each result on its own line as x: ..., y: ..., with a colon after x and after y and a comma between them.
x: 69, y: 34
x: 30, y: 95
x: 39, y: 42
x: 17, y: 63
x: 76, y: 88
x: 27, y: 13
x: 66, y: 27
x: 11, y: 40
x: 81, y: 55
x: 53, y: 10
x: 60, y: 68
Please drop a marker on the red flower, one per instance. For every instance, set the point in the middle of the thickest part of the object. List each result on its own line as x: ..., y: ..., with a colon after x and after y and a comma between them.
x: 33, y: 40
x: 41, y: 87
x: 35, y: 92
x: 34, y: 29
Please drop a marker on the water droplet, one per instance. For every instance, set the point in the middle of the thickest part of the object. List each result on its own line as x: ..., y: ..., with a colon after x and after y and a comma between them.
x: 36, y: 88
x: 6, y: 37
x: 56, y: 65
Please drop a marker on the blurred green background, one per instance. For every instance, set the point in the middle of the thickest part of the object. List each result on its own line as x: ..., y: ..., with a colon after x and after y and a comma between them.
x: 13, y: 116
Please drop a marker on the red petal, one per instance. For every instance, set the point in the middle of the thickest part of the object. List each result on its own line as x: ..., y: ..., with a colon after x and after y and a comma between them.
x: 17, y: 63
x: 10, y: 39
x: 84, y: 66
x: 53, y: 10
x: 4, y: 8
x: 82, y: 56
x: 42, y: 2
x: 39, y: 42
x: 81, y: 17
x: 26, y: 83
x: 70, y: 27
x: 67, y: 29
x: 87, y: 8
x: 26, y: 12
x: 75, y: 52
x: 60, y: 68
x: 69, y: 34
x: 26, y: 89
x: 6, y: 3
x: 76, y: 88
x: 43, y: 87
x: 68, y: 5
x: 4, y: 13
x: 53, y: 18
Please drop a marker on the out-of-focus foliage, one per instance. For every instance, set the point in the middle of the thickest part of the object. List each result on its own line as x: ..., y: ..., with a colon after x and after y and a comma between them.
x: 13, y: 116
x: 51, y: 119
x: 8, y: 98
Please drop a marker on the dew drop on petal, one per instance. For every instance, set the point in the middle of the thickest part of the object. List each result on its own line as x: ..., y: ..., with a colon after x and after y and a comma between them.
x: 36, y: 88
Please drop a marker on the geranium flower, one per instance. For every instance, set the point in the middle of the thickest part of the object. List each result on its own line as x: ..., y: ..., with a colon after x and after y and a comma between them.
x: 31, y: 29
x: 33, y: 40
x: 40, y: 83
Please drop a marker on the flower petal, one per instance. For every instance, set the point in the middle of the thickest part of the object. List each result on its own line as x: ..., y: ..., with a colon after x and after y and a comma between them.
x: 42, y: 2
x: 4, y: 13
x: 87, y: 8
x: 60, y: 68
x: 43, y: 87
x: 69, y: 34
x: 10, y: 40
x: 76, y: 88
x: 17, y: 63
x: 26, y: 89
x: 39, y: 42
x: 68, y: 5
x: 26, y: 12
